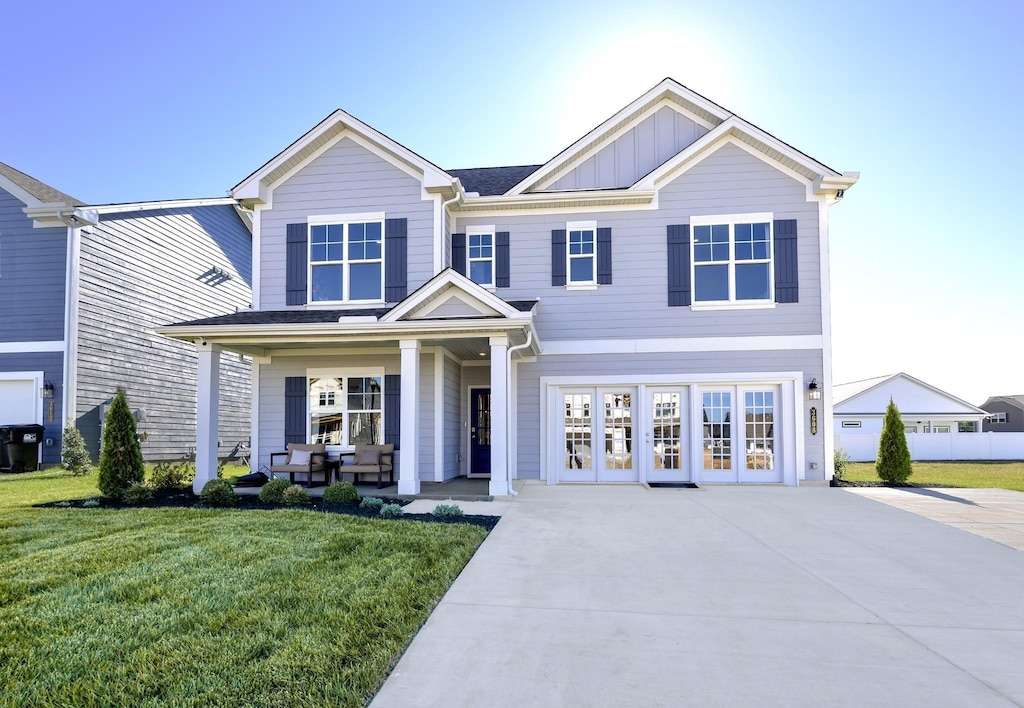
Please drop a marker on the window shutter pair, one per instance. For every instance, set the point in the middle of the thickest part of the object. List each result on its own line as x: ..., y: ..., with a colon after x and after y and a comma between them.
x: 395, y: 261
x: 604, y: 257
x: 296, y: 418
x: 502, y: 265
x: 784, y: 245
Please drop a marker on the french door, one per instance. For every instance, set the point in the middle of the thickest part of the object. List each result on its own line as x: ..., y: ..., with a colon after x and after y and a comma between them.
x: 598, y: 435
x: 738, y: 436
x: 667, y: 434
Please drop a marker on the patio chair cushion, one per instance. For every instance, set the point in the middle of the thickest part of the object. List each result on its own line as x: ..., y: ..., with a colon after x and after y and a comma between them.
x: 299, y: 457
x: 366, y: 456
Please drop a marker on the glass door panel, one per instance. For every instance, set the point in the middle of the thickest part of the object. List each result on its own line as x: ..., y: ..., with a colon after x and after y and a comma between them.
x: 760, y: 463
x: 617, y: 465
x: 717, y: 442
x: 578, y: 461
x: 668, y: 435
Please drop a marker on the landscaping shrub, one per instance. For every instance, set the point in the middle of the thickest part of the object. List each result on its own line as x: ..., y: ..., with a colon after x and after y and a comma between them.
x: 295, y: 495
x: 73, y: 455
x: 121, y: 460
x: 137, y: 493
x: 893, y: 463
x: 341, y: 493
x: 273, y: 491
x: 390, y: 511
x: 218, y: 492
x: 840, y: 463
x: 90, y: 503
x: 173, y: 475
x: 447, y: 510
x: 371, y: 503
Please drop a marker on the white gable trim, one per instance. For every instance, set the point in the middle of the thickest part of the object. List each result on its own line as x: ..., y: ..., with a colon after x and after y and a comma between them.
x: 20, y: 194
x: 445, y: 280
x: 939, y: 392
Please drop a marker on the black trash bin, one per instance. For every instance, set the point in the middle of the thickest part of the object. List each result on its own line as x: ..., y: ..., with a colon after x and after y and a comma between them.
x: 20, y: 445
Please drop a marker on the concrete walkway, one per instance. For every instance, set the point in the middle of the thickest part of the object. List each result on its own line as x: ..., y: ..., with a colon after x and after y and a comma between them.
x: 995, y: 514
x: 732, y: 596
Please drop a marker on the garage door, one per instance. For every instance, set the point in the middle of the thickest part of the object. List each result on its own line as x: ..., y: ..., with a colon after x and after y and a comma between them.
x: 17, y: 401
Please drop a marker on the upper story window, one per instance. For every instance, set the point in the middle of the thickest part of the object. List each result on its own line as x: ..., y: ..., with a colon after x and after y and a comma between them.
x: 997, y: 418
x: 346, y: 259
x: 581, y: 257
x: 480, y: 256
x: 732, y: 259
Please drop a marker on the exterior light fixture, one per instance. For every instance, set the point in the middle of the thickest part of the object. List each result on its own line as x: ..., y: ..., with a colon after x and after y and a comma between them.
x: 47, y: 390
x: 813, y: 392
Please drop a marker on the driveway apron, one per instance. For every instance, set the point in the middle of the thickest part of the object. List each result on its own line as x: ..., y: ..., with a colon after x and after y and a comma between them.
x: 724, y: 596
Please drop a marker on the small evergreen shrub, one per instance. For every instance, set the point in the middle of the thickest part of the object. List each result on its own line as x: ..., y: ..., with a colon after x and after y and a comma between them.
x: 90, y: 503
x: 840, y: 463
x: 173, y: 475
x: 218, y: 492
x: 273, y: 491
x: 137, y: 493
x: 447, y: 510
x: 73, y: 455
x: 893, y: 463
x: 390, y: 511
x: 121, y: 460
x: 343, y: 492
x: 295, y: 495
x: 371, y: 503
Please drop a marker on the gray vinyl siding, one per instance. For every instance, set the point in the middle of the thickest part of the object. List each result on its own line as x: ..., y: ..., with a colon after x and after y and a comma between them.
x: 651, y: 143
x: 452, y: 417
x: 637, y: 366
x: 1014, y: 418
x: 141, y: 270
x: 346, y: 179
x: 727, y: 182
x: 52, y: 366
x: 33, y: 263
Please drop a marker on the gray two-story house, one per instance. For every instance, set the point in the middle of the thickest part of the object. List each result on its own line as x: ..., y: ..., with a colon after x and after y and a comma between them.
x: 81, y: 289
x: 650, y: 305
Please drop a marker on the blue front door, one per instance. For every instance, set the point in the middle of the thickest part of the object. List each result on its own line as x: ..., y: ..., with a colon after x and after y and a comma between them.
x: 480, y: 432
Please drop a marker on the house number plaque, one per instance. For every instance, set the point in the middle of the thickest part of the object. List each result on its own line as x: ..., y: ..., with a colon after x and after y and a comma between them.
x: 814, y: 421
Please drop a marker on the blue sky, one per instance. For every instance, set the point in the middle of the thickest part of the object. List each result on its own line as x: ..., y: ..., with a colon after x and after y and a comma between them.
x: 119, y: 101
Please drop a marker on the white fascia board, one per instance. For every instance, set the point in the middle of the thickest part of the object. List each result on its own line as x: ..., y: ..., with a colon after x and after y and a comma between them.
x: 654, y: 345
x: 589, y: 199
x: 448, y: 278
x: 663, y: 87
x: 60, y: 214
x: 167, y: 204
x: 20, y: 194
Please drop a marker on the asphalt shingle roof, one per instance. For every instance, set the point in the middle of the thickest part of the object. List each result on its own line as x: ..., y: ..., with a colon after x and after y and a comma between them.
x: 489, y: 181
x: 43, y: 192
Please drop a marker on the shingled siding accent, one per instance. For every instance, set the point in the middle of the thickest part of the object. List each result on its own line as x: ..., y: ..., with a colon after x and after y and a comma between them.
x: 141, y: 270
x: 32, y: 267
x: 52, y: 366
x: 345, y: 179
x: 729, y: 181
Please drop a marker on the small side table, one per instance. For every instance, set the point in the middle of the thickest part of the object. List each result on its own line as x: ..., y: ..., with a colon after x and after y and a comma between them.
x: 333, y: 468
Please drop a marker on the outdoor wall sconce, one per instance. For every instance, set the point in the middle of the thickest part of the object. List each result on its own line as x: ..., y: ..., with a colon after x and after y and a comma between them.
x: 47, y: 390
x: 813, y: 392
x: 814, y: 420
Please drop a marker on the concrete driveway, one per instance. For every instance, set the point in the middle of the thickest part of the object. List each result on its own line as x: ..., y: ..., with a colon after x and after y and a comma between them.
x: 731, y: 596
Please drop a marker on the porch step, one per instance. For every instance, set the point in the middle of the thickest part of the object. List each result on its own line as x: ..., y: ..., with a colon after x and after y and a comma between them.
x: 440, y: 496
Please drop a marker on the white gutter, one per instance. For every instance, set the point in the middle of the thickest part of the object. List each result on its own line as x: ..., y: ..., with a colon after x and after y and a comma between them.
x: 508, y: 417
x: 167, y: 204
x: 329, y: 330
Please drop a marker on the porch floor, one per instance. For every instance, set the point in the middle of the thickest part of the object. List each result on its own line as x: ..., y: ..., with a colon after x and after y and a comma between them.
x: 458, y: 488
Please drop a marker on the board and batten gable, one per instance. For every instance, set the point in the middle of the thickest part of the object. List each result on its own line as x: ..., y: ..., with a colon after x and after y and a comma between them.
x: 143, y: 269
x: 644, y: 147
x: 347, y: 178
x: 33, y: 266
x: 635, y: 305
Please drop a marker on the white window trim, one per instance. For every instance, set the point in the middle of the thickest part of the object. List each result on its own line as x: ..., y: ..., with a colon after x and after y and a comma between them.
x: 998, y: 417
x: 345, y: 373
x: 571, y: 284
x: 731, y: 220
x: 343, y: 220
x: 482, y: 231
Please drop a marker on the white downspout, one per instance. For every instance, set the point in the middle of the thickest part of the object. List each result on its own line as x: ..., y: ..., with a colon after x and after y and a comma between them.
x: 508, y: 418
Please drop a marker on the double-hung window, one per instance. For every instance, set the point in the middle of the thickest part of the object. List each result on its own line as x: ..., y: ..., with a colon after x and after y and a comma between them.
x: 480, y: 256
x: 581, y: 255
x: 346, y: 409
x: 346, y: 258
x: 732, y: 259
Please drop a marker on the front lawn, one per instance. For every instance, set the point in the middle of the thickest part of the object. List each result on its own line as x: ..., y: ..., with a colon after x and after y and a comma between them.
x: 976, y: 473
x: 197, y: 607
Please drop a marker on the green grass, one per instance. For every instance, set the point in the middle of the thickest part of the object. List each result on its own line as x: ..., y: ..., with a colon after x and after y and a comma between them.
x: 1005, y: 475
x: 196, y: 607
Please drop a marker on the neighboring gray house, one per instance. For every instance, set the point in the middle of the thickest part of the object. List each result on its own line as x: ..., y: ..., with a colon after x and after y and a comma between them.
x: 649, y: 305
x: 1006, y: 414
x: 82, y: 288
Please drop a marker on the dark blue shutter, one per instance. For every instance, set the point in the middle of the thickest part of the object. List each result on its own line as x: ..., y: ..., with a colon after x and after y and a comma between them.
x: 395, y: 250
x: 501, y: 260
x: 787, y: 279
x: 296, y: 421
x: 604, y: 256
x: 459, y: 253
x: 392, y: 409
x: 295, y: 264
x: 679, y: 265
x: 558, y: 257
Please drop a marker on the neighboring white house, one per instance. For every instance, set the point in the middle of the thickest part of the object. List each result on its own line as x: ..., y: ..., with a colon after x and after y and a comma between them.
x: 860, y: 407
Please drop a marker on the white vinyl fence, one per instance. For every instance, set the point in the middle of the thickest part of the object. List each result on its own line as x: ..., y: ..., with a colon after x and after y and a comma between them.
x: 863, y: 447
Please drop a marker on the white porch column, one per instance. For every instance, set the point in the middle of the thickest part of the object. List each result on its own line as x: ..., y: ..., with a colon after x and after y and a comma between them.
x: 499, y: 416
x: 408, y: 459
x: 207, y: 409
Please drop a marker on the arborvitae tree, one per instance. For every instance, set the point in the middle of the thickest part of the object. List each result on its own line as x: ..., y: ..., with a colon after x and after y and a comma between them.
x: 121, y: 462
x: 73, y: 455
x: 893, y: 463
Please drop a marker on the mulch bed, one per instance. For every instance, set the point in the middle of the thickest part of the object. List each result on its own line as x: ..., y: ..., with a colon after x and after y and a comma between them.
x: 186, y: 499
x: 905, y: 485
